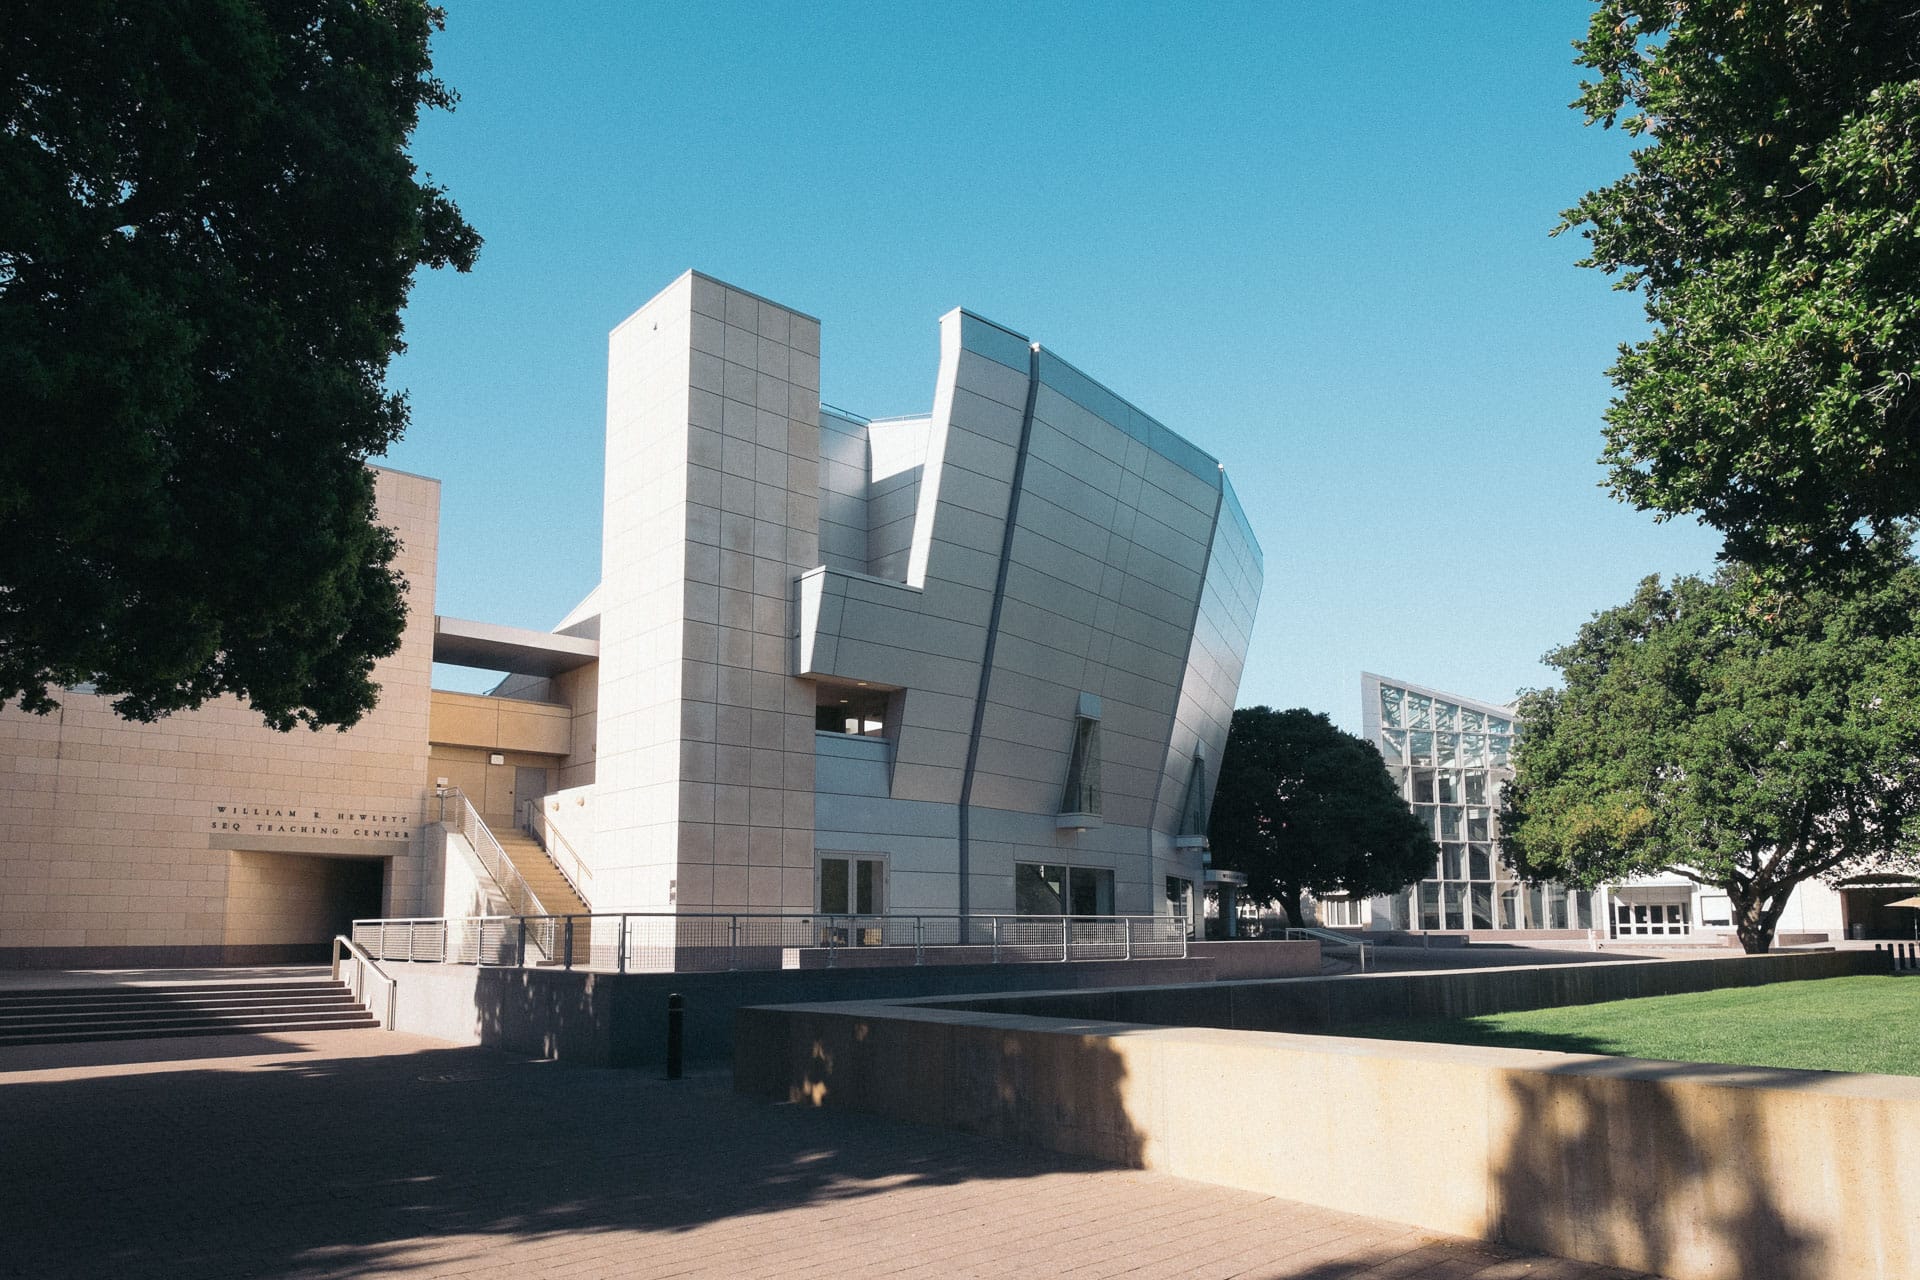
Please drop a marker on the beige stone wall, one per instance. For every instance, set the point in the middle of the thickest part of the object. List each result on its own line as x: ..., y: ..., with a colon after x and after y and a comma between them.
x: 110, y: 832
x: 500, y: 724
x: 1694, y: 1172
x: 489, y: 786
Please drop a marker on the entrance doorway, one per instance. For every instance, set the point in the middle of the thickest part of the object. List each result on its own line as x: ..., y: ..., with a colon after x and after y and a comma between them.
x: 359, y: 887
x: 528, y: 784
x: 288, y: 907
x: 1867, y: 915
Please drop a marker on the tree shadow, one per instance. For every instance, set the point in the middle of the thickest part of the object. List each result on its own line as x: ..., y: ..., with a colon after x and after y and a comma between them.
x: 1612, y: 1163
x: 122, y: 1053
x: 336, y: 1166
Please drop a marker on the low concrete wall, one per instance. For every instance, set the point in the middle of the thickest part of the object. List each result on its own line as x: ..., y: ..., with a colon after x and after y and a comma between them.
x: 1695, y: 1172
x: 620, y: 1020
x: 1316, y: 1004
x: 1259, y: 958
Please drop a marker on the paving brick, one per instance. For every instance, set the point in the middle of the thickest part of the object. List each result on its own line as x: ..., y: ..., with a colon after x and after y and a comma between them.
x: 369, y: 1154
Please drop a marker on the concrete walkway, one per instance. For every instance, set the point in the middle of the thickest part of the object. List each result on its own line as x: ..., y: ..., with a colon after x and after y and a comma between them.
x: 373, y: 1153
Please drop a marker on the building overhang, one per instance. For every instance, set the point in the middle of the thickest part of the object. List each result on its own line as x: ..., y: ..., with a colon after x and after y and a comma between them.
x: 489, y: 646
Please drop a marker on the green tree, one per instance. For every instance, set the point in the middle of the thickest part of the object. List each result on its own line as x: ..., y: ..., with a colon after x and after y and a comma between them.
x: 1771, y: 223
x: 208, y: 227
x: 1748, y: 756
x: 1303, y: 806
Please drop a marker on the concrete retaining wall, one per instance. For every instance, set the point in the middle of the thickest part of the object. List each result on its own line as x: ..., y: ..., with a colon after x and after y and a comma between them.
x: 1317, y: 1004
x: 1695, y: 1172
x: 1259, y: 958
x: 606, y: 1019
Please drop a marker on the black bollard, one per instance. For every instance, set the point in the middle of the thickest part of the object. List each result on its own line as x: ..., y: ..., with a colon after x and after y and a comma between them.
x: 676, y: 1032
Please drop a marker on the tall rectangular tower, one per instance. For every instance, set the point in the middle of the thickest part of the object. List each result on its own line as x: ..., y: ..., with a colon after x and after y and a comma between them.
x: 705, y: 753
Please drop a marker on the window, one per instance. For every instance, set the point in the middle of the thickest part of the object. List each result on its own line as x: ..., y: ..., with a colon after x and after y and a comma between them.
x: 1180, y: 901
x: 1639, y: 919
x: 861, y: 712
x: 1039, y: 889
x: 1193, y: 812
x: 1048, y: 889
x: 852, y: 886
x: 1082, y: 794
x: 1345, y: 913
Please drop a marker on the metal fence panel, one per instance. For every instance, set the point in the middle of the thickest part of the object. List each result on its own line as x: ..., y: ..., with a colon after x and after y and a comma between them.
x: 687, y: 942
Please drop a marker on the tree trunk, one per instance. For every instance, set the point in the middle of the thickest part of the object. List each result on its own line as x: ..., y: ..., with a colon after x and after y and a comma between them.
x: 1289, y: 898
x: 1755, y: 917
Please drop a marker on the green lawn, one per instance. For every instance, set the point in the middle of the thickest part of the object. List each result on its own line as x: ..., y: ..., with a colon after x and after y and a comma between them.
x: 1836, y: 1024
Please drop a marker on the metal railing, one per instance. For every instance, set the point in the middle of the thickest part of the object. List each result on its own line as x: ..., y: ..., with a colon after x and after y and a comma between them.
x: 670, y: 942
x: 363, y: 965
x: 459, y: 815
x: 566, y: 859
x: 1329, y: 938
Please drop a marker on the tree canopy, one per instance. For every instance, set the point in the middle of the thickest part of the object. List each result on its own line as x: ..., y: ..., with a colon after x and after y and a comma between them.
x: 1748, y: 756
x: 209, y: 224
x: 1771, y: 222
x: 1303, y: 806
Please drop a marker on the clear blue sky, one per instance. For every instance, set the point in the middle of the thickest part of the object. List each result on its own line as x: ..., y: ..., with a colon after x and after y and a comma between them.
x: 1316, y: 248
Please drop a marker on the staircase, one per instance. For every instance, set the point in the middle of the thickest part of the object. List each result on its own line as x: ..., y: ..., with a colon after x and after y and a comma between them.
x: 548, y: 885
x: 77, y: 1015
x: 537, y: 869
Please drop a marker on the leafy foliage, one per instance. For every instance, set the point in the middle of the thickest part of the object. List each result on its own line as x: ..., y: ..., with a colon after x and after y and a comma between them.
x: 208, y: 227
x: 1751, y: 755
x: 1772, y: 224
x: 1303, y: 806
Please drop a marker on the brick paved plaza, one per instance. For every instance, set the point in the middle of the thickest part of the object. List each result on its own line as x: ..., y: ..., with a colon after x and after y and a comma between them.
x: 371, y: 1153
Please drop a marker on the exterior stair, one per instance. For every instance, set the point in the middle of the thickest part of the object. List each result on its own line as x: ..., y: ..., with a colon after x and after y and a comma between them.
x: 546, y: 881
x: 79, y: 1015
x: 541, y: 875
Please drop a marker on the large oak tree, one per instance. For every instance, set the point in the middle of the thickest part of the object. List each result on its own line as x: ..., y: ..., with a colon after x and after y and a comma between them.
x: 1303, y: 806
x: 209, y: 224
x: 1771, y: 222
x: 1751, y: 756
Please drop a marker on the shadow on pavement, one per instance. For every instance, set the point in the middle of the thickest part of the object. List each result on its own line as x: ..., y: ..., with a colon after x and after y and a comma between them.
x: 339, y: 1165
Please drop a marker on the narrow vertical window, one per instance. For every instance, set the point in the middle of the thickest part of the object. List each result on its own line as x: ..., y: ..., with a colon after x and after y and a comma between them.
x: 1083, y: 767
x: 1193, y: 812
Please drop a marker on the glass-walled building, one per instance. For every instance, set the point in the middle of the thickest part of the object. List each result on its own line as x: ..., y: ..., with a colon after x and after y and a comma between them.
x: 1451, y: 757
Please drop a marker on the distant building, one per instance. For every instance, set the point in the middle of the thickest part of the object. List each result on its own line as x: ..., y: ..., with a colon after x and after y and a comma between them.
x: 978, y: 660
x: 1451, y: 758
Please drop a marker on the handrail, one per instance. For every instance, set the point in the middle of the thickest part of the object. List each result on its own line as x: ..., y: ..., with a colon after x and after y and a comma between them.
x: 365, y: 962
x: 546, y: 832
x: 468, y: 822
x: 667, y: 941
x: 1311, y: 933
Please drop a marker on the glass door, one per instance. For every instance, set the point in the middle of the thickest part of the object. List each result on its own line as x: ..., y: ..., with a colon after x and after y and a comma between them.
x: 852, y: 886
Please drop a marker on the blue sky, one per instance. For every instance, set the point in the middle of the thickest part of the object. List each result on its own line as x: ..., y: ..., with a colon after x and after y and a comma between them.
x: 1317, y: 249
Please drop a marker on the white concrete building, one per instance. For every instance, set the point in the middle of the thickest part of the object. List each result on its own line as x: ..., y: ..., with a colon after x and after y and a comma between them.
x: 978, y: 660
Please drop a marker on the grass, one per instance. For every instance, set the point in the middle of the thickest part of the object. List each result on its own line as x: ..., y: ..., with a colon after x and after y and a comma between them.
x: 1834, y: 1024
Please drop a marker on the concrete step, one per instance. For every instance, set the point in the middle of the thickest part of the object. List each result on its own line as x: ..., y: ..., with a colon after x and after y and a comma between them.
x: 160, y: 1009
x: 76, y: 996
x: 159, y: 1031
x: 78, y: 1015
x: 546, y: 880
